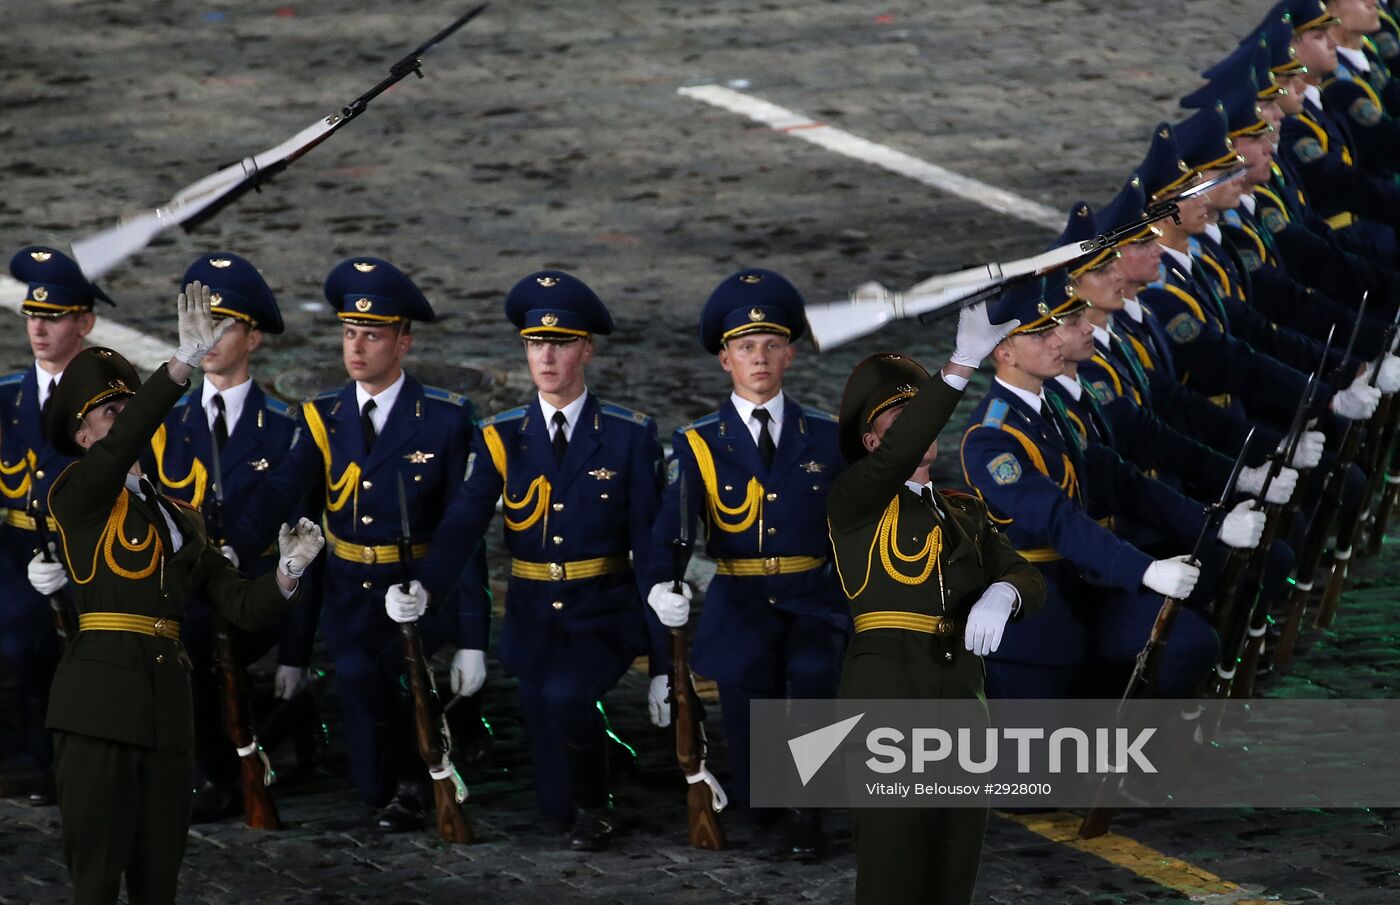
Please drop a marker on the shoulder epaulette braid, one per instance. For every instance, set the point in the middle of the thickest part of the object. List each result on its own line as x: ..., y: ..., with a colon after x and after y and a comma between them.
x: 444, y: 395
x: 12, y: 378
x: 508, y: 415
x: 711, y: 418
x: 278, y: 407
x: 622, y: 411
x: 820, y: 415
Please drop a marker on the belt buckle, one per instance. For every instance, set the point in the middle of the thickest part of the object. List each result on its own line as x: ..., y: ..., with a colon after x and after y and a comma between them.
x: 158, y: 626
x: 942, y: 626
x: 368, y: 555
x: 556, y: 571
x: 770, y: 565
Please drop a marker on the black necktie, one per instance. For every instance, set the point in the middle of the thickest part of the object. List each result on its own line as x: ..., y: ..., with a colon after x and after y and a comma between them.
x: 148, y: 490
x: 766, y: 448
x: 44, y: 409
x: 367, y: 425
x: 560, y: 441
x: 220, y: 421
x: 927, y: 494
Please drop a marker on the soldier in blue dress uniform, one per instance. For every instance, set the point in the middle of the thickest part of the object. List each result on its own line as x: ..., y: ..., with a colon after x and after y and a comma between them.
x: 579, y: 479
x: 253, y: 431
x: 58, y: 310
x: 1057, y: 503
x: 757, y: 472
x: 352, y: 449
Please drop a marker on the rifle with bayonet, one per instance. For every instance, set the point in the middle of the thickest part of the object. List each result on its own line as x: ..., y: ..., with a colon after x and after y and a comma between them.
x: 871, y: 305
x: 100, y: 252
x: 1142, y: 682
x: 259, y: 810
x: 65, y: 617
x: 429, y: 725
x: 704, y: 797
x: 1380, y: 480
x: 1243, y: 628
x: 1305, y: 572
x: 1346, y: 529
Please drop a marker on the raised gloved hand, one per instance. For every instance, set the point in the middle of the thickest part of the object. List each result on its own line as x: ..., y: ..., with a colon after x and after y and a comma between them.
x: 1389, y: 380
x: 46, y: 577
x: 229, y: 554
x: 671, y: 608
x: 1309, y: 451
x: 1242, y: 527
x: 1251, y: 481
x: 1357, y: 402
x: 978, y: 336
x: 406, y: 606
x: 196, y: 324
x: 468, y: 672
x: 658, y: 705
x: 289, y: 681
x: 296, y: 547
x: 1175, y: 578
x: 986, y: 621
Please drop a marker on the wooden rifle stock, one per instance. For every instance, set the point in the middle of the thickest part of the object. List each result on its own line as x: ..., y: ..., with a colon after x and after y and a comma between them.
x: 428, y: 731
x: 705, y: 829
x: 1346, y: 530
x: 259, y: 810
x: 1378, y: 465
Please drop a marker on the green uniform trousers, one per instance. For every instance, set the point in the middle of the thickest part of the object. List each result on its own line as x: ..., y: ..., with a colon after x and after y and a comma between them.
x: 125, y: 810
x: 919, y: 856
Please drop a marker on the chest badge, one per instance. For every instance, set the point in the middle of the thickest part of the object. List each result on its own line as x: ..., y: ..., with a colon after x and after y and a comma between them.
x: 259, y: 465
x: 603, y: 474
x: 418, y: 457
x: 813, y: 467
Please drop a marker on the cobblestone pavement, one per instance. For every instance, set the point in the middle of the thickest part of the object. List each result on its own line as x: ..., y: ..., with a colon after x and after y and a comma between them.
x: 551, y: 134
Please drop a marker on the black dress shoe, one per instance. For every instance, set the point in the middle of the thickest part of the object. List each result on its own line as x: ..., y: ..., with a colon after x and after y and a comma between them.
x: 405, y: 812
x: 45, y: 793
x: 215, y: 801
x: 591, y: 832
x: 806, y: 841
x: 311, y: 741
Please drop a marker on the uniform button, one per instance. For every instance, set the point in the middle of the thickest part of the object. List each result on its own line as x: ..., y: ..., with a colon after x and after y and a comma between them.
x: 770, y: 497
x: 602, y: 496
x: 160, y: 658
x: 772, y: 531
x: 135, y: 541
x: 557, y: 507
x: 39, y: 474
x: 366, y: 585
x: 366, y: 520
x: 366, y: 485
x: 558, y: 604
x: 772, y: 600
x: 557, y: 540
x: 816, y: 487
x: 728, y: 486
x: 948, y: 656
x: 418, y: 479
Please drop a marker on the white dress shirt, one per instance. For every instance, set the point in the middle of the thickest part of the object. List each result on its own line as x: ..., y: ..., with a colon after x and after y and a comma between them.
x: 1133, y: 308
x: 571, y: 415
x: 234, y: 397
x: 1248, y: 203
x: 1355, y: 59
x: 1034, y: 400
x: 1312, y: 93
x: 45, y: 380
x: 1182, y: 259
x: 177, y: 540
x: 1213, y: 230
x: 1103, y: 336
x: 745, y: 408
x: 1071, y: 385
x: 383, y: 402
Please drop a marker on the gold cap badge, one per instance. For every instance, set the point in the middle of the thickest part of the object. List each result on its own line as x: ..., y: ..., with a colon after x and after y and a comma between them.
x: 549, y: 320
x: 547, y: 282
x: 363, y: 304
x: 1164, y: 133
x: 755, y: 314
x: 216, y: 298
x: 1043, y: 308
x: 751, y: 278
x: 220, y: 263
x: 41, y: 256
x: 364, y: 266
x: 40, y: 293
x: 1181, y: 165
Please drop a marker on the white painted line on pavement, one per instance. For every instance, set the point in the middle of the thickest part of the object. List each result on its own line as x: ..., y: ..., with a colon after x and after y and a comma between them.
x: 145, y: 352
x: 781, y: 119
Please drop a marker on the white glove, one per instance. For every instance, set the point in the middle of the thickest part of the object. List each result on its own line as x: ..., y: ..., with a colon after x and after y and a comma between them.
x: 978, y: 336
x: 1251, y: 481
x: 46, y: 577
x: 1309, y: 451
x: 1175, y: 578
x: 1357, y: 402
x: 658, y: 707
x: 1242, y: 527
x: 406, y: 607
x: 229, y: 554
x: 1389, y: 380
x: 289, y: 681
x: 296, y: 547
x: 987, y: 619
x: 671, y: 608
x: 195, y: 322
x: 468, y: 672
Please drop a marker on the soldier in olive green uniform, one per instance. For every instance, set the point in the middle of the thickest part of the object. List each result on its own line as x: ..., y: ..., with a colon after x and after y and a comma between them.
x: 120, y: 703
x: 932, y: 585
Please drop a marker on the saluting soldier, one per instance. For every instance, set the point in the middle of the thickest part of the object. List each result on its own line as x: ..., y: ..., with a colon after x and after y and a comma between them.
x: 579, y: 479
x: 253, y: 432
x: 353, y: 449
x: 757, y: 473
x: 932, y: 584
x: 121, y: 703
x: 58, y: 311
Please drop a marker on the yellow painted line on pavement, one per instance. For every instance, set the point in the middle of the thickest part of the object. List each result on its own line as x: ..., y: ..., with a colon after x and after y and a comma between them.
x: 1197, y: 884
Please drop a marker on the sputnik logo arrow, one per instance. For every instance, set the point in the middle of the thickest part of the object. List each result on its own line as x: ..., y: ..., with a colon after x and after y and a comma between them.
x: 813, y: 749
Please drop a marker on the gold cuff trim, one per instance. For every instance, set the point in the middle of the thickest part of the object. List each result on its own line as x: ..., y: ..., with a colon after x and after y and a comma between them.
x: 1342, y: 220
x: 569, y: 571
x: 1050, y: 554
x: 769, y: 565
x: 129, y: 622
x: 909, y: 622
